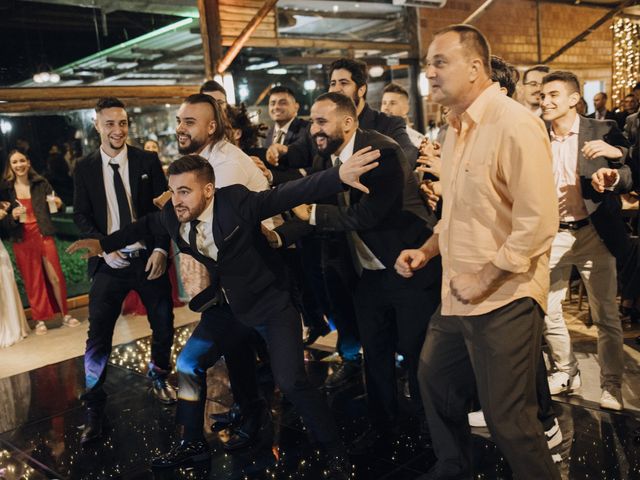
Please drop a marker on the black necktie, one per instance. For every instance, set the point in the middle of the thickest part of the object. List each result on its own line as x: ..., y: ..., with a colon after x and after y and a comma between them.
x: 193, y: 232
x: 121, y: 196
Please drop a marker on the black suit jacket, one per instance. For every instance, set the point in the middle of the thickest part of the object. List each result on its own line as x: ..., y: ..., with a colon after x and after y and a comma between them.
x: 390, y: 218
x: 296, y: 129
x: 302, y: 152
x: 607, y: 218
x: 250, y: 272
x: 146, y: 181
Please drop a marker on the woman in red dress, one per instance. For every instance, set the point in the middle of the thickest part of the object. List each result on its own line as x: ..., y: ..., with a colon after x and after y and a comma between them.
x: 31, y: 229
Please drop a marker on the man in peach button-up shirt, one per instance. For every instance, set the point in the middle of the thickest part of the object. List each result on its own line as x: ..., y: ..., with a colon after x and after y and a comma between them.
x: 500, y: 214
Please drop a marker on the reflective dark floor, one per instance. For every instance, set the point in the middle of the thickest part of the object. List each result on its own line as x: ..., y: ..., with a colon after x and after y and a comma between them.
x: 41, y: 419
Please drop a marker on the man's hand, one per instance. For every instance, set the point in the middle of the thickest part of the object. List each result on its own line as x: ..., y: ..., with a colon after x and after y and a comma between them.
x: 303, y: 212
x: 409, y: 261
x: 430, y: 164
x: 468, y: 288
x: 274, y: 151
x: 431, y: 192
x: 162, y: 199
x: 604, y: 178
x: 272, y: 237
x: 358, y: 164
x: 474, y: 287
x: 92, y: 246
x: 263, y: 168
x: 156, y: 265
x: 4, y: 209
x: 600, y: 148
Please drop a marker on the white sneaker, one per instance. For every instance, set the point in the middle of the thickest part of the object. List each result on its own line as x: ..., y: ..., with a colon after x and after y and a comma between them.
x: 69, y: 321
x: 611, y: 399
x: 476, y: 419
x: 41, y: 328
x: 553, y: 435
x: 561, y: 382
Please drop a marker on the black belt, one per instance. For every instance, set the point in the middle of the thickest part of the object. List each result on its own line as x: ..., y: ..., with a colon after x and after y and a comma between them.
x: 577, y: 225
x: 134, y: 253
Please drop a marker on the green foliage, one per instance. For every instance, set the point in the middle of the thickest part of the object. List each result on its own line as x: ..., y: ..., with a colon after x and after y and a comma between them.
x: 74, y: 270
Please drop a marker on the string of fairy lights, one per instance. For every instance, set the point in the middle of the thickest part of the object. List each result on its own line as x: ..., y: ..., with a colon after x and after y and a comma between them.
x: 626, y: 56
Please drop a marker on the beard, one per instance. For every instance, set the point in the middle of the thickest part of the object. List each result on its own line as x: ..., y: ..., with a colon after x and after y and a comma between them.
x: 192, y: 147
x: 332, y: 144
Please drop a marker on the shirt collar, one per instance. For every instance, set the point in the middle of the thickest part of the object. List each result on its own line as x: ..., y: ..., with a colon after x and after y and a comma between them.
x: 575, y: 130
x: 119, y: 159
x: 284, y: 128
x: 347, y: 151
x: 473, y: 114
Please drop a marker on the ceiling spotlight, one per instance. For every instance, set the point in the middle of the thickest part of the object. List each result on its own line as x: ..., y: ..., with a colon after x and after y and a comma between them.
x: 310, y: 85
x: 376, y: 71
x: 336, y: 8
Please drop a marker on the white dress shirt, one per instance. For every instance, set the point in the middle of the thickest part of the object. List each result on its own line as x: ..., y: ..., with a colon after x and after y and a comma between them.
x: 565, y: 172
x: 364, y: 255
x: 232, y: 166
x: 204, y: 233
x: 284, y: 129
x: 113, y: 215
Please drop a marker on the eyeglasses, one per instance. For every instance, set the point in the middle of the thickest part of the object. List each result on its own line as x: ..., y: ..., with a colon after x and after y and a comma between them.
x: 533, y: 84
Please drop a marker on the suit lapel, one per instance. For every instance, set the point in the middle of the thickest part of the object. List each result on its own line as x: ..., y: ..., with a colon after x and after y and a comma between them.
x: 99, y: 191
x: 585, y: 133
x: 135, y: 171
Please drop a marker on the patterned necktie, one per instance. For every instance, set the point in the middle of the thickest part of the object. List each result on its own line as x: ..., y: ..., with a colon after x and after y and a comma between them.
x: 121, y: 196
x: 279, y: 136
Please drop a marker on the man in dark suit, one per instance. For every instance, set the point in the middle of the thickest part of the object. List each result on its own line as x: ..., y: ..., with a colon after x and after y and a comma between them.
x: 115, y: 186
x: 392, y: 312
x: 247, y: 288
x: 586, y: 240
x: 600, y: 106
x: 283, y: 111
x: 349, y: 77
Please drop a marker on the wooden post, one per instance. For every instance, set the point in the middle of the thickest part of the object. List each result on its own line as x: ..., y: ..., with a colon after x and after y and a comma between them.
x: 211, y: 36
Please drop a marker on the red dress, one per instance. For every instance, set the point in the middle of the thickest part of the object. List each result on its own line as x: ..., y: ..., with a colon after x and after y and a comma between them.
x: 39, y: 265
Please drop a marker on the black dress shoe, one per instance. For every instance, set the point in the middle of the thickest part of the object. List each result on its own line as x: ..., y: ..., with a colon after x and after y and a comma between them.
x: 248, y: 431
x: 343, y: 374
x: 229, y: 419
x: 196, y: 451
x: 92, y: 427
x: 163, y: 392
x: 314, y: 333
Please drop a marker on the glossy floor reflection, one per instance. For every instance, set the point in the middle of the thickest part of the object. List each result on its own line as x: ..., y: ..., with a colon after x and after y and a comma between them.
x: 41, y: 419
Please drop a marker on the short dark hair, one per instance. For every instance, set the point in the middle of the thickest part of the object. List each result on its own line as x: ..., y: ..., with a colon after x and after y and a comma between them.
x: 395, y: 88
x: 212, y: 86
x: 473, y: 40
x: 343, y: 103
x: 630, y: 95
x: 603, y: 94
x: 357, y: 68
x: 636, y: 87
x: 535, y: 68
x: 108, y: 102
x: 568, y: 78
x: 282, y: 89
x: 218, y: 115
x: 505, y: 74
x: 193, y: 163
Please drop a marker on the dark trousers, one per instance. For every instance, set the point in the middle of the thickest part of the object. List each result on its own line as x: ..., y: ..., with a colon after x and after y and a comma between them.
x: 393, y: 314
x: 283, y: 334
x: 217, y: 334
x: 109, y: 287
x: 498, y: 352
x: 335, y: 278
